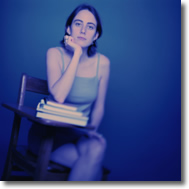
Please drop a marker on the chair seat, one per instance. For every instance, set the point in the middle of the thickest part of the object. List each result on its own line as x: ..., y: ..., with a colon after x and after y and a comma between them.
x: 25, y: 160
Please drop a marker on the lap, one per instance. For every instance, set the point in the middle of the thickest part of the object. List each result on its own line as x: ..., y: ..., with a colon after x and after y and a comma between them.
x: 91, y: 149
x: 68, y: 144
x: 62, y: 136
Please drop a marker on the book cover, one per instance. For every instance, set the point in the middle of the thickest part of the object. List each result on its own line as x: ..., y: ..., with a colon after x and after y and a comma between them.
x: 61, y: 119
x: 58, y: 105
x: 43, y: 106
x: 51, y: 110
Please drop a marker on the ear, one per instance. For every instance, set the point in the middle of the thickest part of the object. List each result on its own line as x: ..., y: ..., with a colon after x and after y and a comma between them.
x: 96, y: 36
x: 68, y: 30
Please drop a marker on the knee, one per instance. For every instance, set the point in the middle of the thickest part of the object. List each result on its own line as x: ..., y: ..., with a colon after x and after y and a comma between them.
x: 96, y: 150
x: 91, y: 146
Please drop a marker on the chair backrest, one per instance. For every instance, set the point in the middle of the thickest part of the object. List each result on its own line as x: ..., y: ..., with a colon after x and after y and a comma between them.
x: 32, y: 84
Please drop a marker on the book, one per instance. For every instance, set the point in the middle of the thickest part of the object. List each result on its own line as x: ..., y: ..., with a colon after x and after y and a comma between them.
x: 58, y: 105
x: 60, y: 112
x: 45, y: 108
x: 61, y: 119
x: 42, y: 105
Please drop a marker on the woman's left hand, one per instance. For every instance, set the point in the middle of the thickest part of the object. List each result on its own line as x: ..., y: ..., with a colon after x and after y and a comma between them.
x: 94, y: 134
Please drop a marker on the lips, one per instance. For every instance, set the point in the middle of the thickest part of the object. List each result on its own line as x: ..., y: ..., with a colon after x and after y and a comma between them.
x: 81, y: 38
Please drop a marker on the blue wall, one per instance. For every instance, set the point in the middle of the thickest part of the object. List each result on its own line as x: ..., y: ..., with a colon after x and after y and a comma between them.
x: 142, y: 38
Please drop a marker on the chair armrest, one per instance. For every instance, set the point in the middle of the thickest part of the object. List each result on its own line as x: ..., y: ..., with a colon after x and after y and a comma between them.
x: 30, y: 114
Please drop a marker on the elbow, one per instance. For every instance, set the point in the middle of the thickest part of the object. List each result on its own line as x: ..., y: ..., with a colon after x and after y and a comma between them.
x: 58, y: 98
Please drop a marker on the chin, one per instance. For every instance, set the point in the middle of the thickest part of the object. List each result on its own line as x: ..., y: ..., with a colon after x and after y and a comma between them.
x: 83, y: 45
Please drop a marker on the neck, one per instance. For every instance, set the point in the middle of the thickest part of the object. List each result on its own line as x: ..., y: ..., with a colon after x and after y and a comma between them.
x: 84, y: 55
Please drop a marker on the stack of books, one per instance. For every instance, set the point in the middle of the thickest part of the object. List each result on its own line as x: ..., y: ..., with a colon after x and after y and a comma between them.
x: 66, y: 113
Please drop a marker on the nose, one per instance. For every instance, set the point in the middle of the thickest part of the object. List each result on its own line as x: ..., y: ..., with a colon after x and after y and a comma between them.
x: 83, y: 29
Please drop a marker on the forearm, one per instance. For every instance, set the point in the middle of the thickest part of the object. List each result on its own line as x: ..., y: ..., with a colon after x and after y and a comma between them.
x: 96, y: 117
x: 62, y: 86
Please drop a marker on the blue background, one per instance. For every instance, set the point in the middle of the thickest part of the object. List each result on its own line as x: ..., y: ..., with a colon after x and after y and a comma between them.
x: 142, y: 38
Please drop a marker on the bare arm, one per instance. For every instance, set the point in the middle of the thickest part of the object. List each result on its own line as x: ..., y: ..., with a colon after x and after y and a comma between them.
x: 60, y: 83
x: 98, y: 110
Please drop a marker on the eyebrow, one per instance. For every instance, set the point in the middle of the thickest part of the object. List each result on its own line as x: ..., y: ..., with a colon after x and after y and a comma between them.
x: 78, y: 20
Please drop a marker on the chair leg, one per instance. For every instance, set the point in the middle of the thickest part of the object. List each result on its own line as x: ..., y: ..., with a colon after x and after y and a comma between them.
x: 7, y: 169
x: 44, y: 154
x: 13, y: 141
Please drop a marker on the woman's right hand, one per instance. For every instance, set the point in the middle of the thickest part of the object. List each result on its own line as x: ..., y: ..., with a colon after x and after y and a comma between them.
x: 71, y: 45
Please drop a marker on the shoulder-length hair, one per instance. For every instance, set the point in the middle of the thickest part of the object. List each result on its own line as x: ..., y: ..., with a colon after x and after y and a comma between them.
x: 92, y: 48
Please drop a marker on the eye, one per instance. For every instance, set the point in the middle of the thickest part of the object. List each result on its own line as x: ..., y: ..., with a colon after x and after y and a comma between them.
x: 78, y: 24
x: 91, y: 27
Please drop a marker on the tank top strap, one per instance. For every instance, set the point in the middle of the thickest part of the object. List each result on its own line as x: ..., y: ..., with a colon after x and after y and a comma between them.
x: 98, y: 61
x: 61, y: 57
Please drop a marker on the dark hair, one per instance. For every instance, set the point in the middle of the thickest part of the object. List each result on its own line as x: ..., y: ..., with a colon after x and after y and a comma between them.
x: 92, y: 48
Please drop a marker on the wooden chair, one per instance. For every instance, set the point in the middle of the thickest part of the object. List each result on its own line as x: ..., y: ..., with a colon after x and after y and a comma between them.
x: 18, y: 157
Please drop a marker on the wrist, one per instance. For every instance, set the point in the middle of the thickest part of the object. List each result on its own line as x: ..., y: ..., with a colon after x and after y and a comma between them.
x: 78, y: 52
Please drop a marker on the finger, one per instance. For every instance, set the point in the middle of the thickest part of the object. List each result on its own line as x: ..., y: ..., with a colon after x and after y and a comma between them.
x: 100, y: 138
x: 95, y: 134
x: 72, y: 39
x: 89, y: 134
x: 66, y: 38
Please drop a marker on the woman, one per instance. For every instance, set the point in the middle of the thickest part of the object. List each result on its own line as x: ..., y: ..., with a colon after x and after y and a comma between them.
x: 78, y: 75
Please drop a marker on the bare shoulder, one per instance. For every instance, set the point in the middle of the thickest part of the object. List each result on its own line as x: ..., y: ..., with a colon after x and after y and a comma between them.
x: 104, y: 61
x: 53, y: 56
x: 104, y: 66
x: 53, y: 51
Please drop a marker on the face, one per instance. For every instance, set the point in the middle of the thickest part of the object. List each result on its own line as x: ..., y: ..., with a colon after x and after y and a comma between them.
x: 83, y: 28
